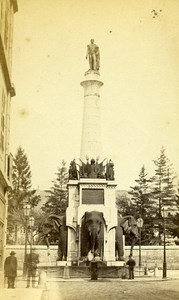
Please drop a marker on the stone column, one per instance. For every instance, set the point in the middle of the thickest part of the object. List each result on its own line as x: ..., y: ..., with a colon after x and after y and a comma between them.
x: 91, y: 132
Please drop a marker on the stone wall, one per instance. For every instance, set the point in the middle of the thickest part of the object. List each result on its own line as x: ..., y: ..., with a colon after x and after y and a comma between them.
x: 152, y: 255
x: 149, y: 254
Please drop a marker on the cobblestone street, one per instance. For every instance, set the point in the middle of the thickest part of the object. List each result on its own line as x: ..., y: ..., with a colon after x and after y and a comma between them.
x: 106, y: 289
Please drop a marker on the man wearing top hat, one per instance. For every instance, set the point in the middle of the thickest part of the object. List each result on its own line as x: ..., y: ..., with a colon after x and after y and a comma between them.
x: 10, y: 269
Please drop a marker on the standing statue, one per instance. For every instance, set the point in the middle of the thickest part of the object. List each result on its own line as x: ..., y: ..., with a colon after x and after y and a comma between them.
x: 110, y: 170
x: 73, y: 172
x: 93, y: 173
x: 94, y: 56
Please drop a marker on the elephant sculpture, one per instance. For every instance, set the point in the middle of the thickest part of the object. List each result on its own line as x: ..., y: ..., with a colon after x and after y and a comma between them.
x: 56, y: 226
x: 92, y: 234
x: 126, y: 226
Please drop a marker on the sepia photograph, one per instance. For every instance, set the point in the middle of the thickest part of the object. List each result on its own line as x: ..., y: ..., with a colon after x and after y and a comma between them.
x: 89, y: 143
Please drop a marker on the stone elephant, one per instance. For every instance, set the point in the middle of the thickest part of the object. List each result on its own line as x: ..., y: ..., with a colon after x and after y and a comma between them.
x: 126, y: 226
x: 56, y: 226
x: 92, y: 234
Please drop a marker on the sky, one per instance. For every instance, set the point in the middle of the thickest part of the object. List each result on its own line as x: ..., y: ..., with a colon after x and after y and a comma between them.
x: 139, y: 68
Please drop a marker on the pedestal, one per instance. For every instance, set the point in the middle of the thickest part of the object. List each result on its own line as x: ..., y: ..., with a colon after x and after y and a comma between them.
x: 79, y: 204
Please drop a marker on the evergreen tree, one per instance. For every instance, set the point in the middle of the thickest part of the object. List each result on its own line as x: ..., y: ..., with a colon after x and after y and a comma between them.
x: 124, y: 205
x: 21, y: 190
x: 143, y: 205
x: 164, y: 191
x: 175, y: 219
x: 57, y: 198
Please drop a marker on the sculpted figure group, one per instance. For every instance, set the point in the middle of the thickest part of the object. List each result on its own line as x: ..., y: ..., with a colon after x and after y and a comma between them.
x: 92, y: 169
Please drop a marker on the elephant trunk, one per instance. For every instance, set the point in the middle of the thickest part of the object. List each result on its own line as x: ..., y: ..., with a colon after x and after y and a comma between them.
x: 132, y: 244
x: 93, y: 236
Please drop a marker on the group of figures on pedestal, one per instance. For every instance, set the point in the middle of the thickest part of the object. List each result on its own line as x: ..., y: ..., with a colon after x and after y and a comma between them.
x: 91, y: 169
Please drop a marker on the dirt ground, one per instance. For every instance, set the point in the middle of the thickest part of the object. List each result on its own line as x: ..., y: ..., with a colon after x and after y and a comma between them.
x: 111, y: 289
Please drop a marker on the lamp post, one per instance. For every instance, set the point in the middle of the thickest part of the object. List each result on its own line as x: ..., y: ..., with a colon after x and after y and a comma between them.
x: 31, y: 223
x: 164, y: 214
x: 26, y: 209
x: 140, y: 223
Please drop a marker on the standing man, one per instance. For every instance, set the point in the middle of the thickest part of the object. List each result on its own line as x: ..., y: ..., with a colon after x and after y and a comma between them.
x: 32, y: 260
x: 131, y: 263
x: 10, y: 269
x: 94, y: 56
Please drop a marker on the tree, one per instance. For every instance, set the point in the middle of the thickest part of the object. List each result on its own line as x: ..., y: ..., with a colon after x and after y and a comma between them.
x: 163, y: 188
x: 21, y: 190
x: 164, y: 191
x: 175, y: 219
x: 124, y: 204
x: 40, y: 218
x: 143, y: 205
x: 57, y: 198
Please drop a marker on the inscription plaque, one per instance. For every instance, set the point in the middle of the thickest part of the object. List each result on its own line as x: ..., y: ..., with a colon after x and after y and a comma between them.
x: 92, y: 196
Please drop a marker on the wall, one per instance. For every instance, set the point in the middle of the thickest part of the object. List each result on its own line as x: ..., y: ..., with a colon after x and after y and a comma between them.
x: 154, y: 255
x: 150, y: 254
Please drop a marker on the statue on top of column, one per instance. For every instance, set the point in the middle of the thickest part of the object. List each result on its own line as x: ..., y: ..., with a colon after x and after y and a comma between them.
x: 94, y: 56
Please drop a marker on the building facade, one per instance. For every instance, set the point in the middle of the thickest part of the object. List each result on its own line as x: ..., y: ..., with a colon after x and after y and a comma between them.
x: 7, y: 91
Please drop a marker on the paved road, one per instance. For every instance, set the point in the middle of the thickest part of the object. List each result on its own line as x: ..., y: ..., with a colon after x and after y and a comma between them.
x: 113, y: 290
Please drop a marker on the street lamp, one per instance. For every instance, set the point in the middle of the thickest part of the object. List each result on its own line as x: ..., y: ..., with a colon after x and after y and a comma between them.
x: 26, y: 209
x: 31, y: 223
x: 164, y: 215
x: 140, y: 223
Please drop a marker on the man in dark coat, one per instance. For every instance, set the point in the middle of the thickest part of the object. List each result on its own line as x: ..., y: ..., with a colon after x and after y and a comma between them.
x: 10, y: 269
x: 32, y: 260
x: 131, y: 263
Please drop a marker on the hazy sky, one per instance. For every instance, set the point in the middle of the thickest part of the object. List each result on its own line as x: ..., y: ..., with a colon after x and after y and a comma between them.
x: 139, y: 68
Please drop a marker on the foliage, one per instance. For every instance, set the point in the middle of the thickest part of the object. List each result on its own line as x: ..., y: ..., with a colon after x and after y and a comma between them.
x: 40, y: 218
x: 143, y: 205
x: 164, y: 191
x: 57, y: 198
x: 141, y: 195
x: 175, y: 219
x: 21, y: 181
x: 21, y: 191
x: 124, y: 204
x: 146, y: 199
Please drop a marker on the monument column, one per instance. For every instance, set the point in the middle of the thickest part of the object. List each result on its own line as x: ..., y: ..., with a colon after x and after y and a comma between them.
x: 93, y: 190
x: 91, y: 133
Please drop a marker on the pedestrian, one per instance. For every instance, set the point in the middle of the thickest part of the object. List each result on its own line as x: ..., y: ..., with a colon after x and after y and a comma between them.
x: 32, y: 260
x: 131, y: 263
x: 10, y: 269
